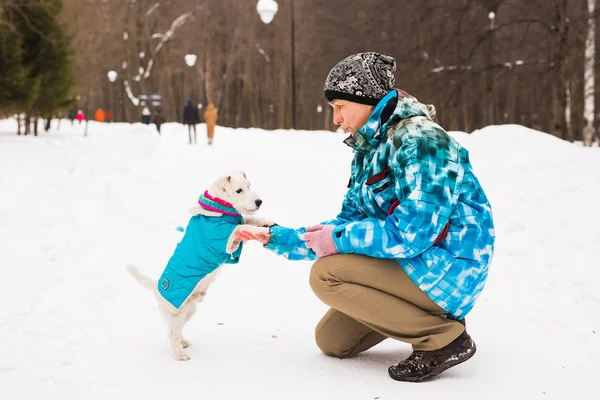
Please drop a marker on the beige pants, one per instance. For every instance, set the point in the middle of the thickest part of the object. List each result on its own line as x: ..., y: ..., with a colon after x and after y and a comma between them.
x: 371, y: 300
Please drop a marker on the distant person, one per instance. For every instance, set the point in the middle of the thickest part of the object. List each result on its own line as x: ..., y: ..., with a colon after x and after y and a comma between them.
x: 158, y: 119
x: 191, y: 117
x: 80, y: 117
x: 210, y: 117
x: 100, y: 115
x: 71, y: 115
x: 146, y: 116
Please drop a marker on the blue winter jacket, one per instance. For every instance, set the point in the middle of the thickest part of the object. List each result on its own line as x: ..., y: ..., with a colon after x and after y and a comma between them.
x: 412, y: 196
x: 200, y: 252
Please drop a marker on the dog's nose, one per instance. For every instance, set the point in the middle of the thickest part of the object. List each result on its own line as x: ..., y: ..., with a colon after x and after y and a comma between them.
x: 258, y: 202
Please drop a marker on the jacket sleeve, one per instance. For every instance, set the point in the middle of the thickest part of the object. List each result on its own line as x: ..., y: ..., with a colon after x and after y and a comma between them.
x: 350, y: 211
x: 288, y: 243
x: 426, y: 180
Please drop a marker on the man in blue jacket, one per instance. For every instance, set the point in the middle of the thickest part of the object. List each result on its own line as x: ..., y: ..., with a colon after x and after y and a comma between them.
x: 408, y: 255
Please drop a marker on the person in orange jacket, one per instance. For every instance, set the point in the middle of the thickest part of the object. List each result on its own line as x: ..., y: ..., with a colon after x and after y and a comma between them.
x: 100, y: 115
x: 210, y: 117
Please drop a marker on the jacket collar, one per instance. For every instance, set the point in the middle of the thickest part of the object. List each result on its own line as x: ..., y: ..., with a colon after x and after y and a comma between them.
x: 369, y: 136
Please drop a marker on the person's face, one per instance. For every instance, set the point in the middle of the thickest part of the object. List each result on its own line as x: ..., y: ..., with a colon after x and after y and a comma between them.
x: 350, y: 116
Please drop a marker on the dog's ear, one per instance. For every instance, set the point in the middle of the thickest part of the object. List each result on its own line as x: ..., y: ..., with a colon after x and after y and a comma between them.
x: 224, y: 183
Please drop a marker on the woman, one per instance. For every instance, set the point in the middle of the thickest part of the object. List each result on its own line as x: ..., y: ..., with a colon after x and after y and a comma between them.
x: 408, y: 254
x: 210, y: 117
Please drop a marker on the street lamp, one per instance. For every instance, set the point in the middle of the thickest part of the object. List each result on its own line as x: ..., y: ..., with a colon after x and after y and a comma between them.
x: 112, y: 77
x: 190, y: 60
x: 492, y: 18
x: 267, y: 10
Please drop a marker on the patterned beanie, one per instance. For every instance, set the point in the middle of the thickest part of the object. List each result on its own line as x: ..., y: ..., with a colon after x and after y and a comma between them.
x: 363, y: 78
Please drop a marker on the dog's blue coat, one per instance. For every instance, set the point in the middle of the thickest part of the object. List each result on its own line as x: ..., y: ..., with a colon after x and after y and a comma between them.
x: 200, y: 252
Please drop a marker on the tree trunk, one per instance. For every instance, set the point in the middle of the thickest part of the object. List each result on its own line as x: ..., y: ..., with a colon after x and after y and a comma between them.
x: 559, y: 68
x: 511, y: 99
x: 27, y: 124
x: 169, y: 96
x: 568, y: 111
x: 589, y: 76
x: 490, y: 74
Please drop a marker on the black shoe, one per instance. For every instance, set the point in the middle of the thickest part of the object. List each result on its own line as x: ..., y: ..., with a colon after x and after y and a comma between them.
x: 424, y: 365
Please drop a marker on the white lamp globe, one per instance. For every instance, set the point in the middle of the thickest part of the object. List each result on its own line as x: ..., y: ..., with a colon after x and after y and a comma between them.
x: 112, y: 76
x: 267, y: 10
x: 190, y: 59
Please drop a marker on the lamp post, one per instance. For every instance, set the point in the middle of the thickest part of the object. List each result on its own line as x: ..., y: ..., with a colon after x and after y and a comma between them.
x: 267, y: 10
x: 492, y: 18
x: 112, y: 77
x: 190, y: 60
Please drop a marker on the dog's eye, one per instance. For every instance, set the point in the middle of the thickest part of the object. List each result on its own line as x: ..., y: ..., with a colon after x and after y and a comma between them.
x: 239, y: 191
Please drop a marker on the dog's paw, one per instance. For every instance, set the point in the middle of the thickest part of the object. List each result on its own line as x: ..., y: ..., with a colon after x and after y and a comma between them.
x: 259, y: 221
x: 267, y: 223
x: 185, y: 343
x: 255, y: 230
x: 181, y: 356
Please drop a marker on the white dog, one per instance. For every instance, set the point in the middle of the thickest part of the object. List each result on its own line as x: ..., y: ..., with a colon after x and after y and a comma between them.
x: 208, y: 243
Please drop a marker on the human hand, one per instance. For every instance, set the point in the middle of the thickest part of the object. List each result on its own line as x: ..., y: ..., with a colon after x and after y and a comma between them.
x: 262, y: 235
x: 319, y: 238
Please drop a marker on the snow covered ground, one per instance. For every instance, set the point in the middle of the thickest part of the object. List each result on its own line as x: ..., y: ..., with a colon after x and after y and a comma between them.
x: 75, y: 325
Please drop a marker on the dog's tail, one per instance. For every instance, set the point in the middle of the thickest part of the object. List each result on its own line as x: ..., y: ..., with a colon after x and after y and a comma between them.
x: 141, y: 278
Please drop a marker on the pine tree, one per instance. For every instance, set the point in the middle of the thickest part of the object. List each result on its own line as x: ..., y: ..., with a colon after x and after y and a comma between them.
x: 53, y: 62
x: 44, y: 70
x: 17, y: 92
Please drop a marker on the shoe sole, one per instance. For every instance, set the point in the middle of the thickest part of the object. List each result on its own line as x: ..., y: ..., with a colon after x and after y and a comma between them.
x: 433, y: 374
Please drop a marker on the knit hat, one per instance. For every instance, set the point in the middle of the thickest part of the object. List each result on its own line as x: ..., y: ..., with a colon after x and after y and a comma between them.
x: 363, y: 78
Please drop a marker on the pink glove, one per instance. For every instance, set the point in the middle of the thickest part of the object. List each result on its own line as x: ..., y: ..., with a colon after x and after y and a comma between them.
x: 319, y: 238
